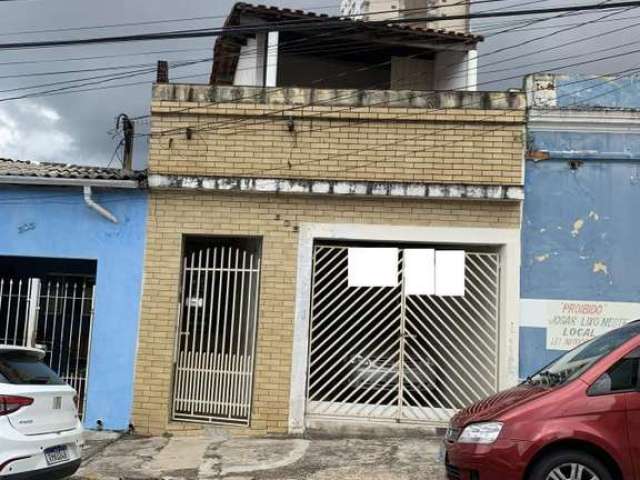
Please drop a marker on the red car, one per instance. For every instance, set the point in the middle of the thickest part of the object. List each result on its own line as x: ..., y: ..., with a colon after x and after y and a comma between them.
x: 576, y: 419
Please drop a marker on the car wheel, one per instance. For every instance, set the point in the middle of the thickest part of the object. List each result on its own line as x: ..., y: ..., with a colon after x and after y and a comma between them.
x: 570, y: 465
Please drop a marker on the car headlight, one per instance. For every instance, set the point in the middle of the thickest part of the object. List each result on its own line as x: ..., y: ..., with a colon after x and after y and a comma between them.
x: 483, y: 433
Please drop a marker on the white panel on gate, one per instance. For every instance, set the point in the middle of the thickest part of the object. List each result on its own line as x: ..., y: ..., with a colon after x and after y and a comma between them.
x: 450, y: 273
x: 419, y: 272
x: 373, y: 267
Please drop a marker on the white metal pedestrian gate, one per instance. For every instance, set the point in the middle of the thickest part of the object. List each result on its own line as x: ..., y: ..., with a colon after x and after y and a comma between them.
x: 213, y: 373
x: 18, y: 309
x: 380, y: 353
x: 56, y: 316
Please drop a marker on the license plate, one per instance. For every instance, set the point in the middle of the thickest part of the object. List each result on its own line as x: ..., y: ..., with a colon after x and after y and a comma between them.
x: 56, y: 455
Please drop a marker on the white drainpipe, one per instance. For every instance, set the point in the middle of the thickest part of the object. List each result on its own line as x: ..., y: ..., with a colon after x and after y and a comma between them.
x: 91, y: 203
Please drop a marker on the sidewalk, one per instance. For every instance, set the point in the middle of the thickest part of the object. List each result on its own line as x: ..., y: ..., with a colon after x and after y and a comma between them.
x: 131, y: 458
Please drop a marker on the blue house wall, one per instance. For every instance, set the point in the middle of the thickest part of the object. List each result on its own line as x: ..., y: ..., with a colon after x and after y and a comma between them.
x: 580, y: 233
x: 61, y: 226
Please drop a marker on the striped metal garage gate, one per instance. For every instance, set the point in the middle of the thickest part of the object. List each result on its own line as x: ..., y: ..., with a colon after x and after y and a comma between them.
x: 385, y: 353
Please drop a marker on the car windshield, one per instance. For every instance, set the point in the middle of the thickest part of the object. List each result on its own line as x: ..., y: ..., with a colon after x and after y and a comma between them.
x: 577, y: 361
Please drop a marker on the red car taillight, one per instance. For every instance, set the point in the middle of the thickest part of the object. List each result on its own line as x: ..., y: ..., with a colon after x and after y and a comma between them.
x: 11, y: 403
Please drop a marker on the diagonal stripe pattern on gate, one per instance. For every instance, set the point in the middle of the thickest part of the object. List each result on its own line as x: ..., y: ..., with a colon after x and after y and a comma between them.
x: 376, y: 354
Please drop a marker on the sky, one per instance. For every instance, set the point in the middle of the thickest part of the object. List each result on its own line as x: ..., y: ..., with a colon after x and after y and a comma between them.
x: 77, y: 128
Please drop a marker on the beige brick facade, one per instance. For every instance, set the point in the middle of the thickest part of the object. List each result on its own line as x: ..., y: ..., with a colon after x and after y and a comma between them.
x: 370, y: 143
x: 456, y: 145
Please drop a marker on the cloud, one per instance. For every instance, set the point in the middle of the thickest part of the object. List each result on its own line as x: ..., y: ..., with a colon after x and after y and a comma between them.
x: 74, y: 128
x: 32, y: 131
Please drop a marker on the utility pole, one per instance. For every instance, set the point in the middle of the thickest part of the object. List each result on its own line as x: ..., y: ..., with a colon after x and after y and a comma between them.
x: 128, y: 130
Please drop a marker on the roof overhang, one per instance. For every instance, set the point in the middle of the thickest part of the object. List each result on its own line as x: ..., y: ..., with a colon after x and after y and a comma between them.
x: 67, y: 182
x: 227, y: 46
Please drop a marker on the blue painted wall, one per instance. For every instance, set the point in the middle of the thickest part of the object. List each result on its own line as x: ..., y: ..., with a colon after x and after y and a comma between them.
x: 558, y: 260
x: 575, y: 219
x: 66, y: 228
x: 587, y: 92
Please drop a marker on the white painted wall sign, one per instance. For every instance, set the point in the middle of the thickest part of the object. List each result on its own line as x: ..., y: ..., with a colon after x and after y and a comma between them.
x: 572, y: 322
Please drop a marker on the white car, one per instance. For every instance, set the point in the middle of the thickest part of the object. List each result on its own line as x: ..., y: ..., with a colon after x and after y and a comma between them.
x: 40, y: 432
x: 373, y: 373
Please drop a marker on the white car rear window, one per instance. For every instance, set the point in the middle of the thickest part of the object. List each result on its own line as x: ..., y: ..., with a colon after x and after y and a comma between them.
x: 23, y: 369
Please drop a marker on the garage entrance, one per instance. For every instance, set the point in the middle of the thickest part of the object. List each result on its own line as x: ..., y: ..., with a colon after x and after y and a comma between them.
x: 402, y: 332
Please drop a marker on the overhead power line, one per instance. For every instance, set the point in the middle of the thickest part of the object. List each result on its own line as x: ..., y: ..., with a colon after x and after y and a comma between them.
x: 222, y: 17
x: 339, y: 19
x: 535, y: 39
x: 240, y: 125
x: 74, y: 88
x: 102, y: 57
x: 270, y: 117
x: 568, y: 57
x: 151, y: 67
x: 231, y: 123
x: 565, y: 44
x: 336, y: 46
x: 70, y: 86
x: 483, y: 27
x: 519, y: 13
x: 168, y: 51
x: 387, y: 62
x: 63, y: 199
x: 80, y: 70
x: 386, y: 145
x: 96, y: 80
x: 297, y: 25
x: 148, y: 69
x: 292, y: 46
x: 107, y: 78
x: 77, y: 89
